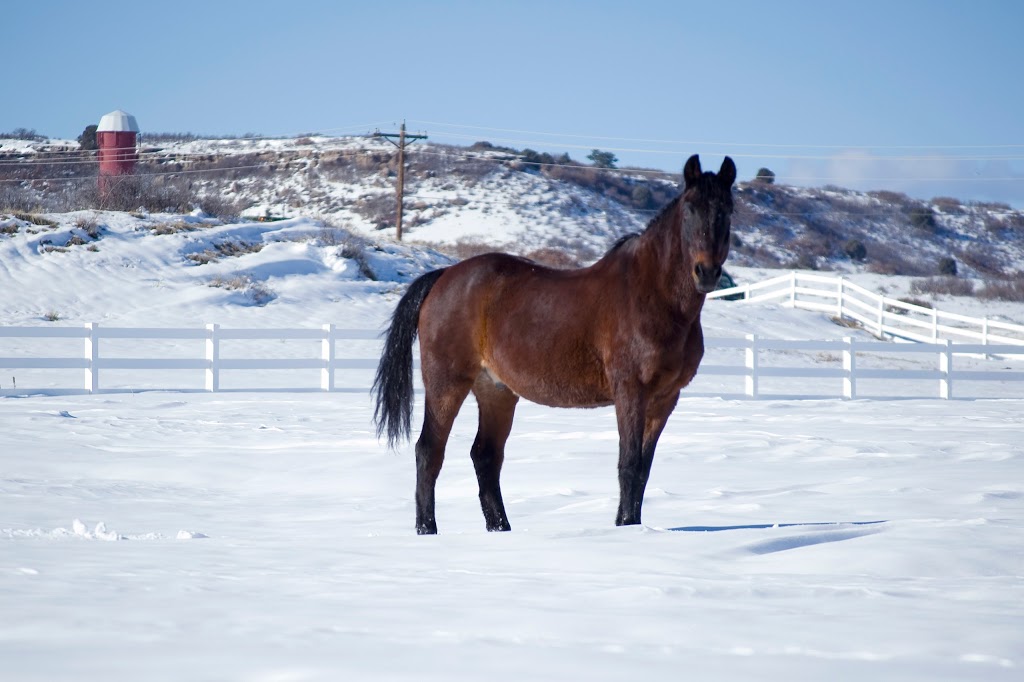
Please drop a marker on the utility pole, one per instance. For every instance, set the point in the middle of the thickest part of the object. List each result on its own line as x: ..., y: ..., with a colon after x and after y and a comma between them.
x: 400, y: 190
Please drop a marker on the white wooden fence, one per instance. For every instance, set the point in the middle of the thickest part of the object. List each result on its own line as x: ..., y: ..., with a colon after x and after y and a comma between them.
x: 884, y: 317
x: 844, y: 363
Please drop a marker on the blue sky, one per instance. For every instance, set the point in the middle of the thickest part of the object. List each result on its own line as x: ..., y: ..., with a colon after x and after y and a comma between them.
x: 916, y: 96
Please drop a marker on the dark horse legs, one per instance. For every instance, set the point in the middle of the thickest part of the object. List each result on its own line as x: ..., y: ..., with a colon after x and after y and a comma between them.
x: 440, y: 412
x: 497, y: 408
x: 638, y: 438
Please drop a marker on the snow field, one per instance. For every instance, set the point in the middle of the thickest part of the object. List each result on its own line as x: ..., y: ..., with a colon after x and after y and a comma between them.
x: 808, y: 539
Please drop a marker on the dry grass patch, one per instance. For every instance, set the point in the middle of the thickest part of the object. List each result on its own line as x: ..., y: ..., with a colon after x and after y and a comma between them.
x: 226, y: 249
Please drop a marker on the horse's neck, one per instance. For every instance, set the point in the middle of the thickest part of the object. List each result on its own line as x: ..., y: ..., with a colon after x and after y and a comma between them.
x: 666, y: 265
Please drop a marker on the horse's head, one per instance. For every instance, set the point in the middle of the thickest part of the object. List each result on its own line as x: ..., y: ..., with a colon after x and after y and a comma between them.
x: 707, y: 208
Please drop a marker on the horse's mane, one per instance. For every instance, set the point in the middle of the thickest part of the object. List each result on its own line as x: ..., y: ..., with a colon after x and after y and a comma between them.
x: 665, y: 209
x: 626, y: 238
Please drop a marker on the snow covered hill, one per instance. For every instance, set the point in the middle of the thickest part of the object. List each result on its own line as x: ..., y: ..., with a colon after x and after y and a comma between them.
x: 466, y: 198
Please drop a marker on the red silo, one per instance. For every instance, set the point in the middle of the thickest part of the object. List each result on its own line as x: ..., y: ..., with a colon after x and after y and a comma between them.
x: 116, y: 137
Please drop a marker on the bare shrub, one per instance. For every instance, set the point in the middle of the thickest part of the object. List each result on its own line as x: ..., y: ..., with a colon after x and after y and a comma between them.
x: 951, y: 286
x: 221, y: 207
x: 918, y: 302
x: 174, y: 227
x: 895, y: 198
x: 257, y: 292
x: 923, y: 218
x: 88, y: 225
x: 553, y: 258
x: 466, y: 248
x: 379, y: 209
x: 855, y: 249
x: 886, y: 260
x: 984, y: 261
x: 35, y: 219
x: 225, y: 249
x: 948, y: 204
x: 1004, y: 290
x: 154, y: 193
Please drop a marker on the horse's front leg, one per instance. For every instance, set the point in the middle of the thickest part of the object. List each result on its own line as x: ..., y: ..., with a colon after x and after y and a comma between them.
x: 638, y: 439
x: 630, y: 415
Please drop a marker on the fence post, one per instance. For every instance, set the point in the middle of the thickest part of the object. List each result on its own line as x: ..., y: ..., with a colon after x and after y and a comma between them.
x: 792, y: 289
x: 92, y: 355
x: 327, y: 355
x: 935, y: 325
x: 984, y: 334
x: 751, y: 363
x: 881, y: 317
x: 946, y: 368
x: 213, y: 357
x: 839, y: 300
x: 849, y: 369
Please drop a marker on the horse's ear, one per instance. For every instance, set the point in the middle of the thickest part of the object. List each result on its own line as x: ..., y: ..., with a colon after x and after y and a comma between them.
x: 692, y: 171
x: 727, y: 173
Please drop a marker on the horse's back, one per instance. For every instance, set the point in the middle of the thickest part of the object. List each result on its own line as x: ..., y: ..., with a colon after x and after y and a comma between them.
x: 535, y: 329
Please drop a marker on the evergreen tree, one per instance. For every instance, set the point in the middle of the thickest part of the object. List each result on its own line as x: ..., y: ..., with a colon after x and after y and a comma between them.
x: 87, y: 140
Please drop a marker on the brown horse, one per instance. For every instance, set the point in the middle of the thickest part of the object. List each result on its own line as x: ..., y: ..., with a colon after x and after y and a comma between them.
x: 624, y: 331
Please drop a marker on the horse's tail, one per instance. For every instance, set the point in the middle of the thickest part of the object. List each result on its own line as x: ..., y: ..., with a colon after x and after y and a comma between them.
x: 393, y: 383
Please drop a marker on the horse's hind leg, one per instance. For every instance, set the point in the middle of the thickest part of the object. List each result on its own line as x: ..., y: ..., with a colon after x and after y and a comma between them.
x: 497, y: 409
x: 442, y: 406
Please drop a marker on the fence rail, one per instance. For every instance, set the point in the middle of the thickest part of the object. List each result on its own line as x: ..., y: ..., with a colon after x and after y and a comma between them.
x: 883, y: 316
x: 847, y: 361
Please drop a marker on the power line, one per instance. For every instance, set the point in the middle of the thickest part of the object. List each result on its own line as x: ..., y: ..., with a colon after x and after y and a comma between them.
x: 723, y: 144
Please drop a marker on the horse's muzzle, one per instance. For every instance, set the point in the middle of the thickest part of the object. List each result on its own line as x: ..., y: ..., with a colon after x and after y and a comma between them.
x: 706, y: 277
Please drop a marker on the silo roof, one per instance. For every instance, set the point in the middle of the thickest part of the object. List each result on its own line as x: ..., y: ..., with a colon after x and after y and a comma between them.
x: 118, y: 121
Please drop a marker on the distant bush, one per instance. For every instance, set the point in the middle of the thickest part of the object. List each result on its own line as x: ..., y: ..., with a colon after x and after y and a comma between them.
x: 855, y: 249
x: 895, y: 198
x: 765, y: 175
x: 380, y: 209
x: 947, y: 266
x: 174, y: 227
x: 352, y: 247
x: 949, y: 204
x: 533, y: 160
x: 257, y: 292
x: 602, y: 159
x: 951, y: 286
x: 642, y: 197
x: 87, y: 140
x: 24, y: 134
x: 467, y: 248
x: 223, y: 207
x: 553, y: 258
x: 89, y: 226
x: 984, y: 261
x: 226, y: 249
x: 1004, y: 290
x: 35, y: 219
x: 923, y: 218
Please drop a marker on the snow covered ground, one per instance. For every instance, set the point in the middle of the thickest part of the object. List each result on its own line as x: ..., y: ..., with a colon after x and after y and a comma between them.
x: 243, y: 536
x: 270, y: 538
